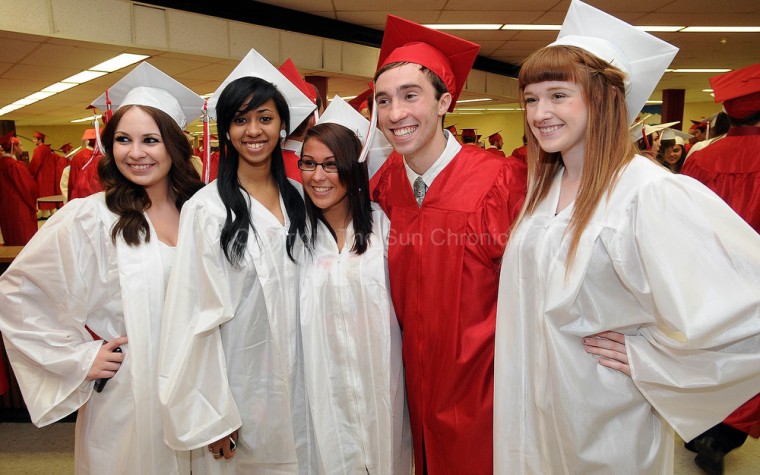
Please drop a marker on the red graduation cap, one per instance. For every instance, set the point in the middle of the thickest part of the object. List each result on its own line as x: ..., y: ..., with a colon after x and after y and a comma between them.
x: 66, y: 148
x: 360, y: 102
x: 289, y: 70
x: 495, y: 137
x: 88, y: 134
x: 39, y: 135
x: 449, y: 57
x: 452, y: 128
x: 739, y: 91
x: 7, y: 139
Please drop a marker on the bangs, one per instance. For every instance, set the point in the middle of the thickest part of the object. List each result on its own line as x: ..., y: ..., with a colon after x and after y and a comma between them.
x: 555, y: 63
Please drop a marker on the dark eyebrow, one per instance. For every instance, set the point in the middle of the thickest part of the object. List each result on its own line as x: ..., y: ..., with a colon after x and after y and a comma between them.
x: 400, y: 88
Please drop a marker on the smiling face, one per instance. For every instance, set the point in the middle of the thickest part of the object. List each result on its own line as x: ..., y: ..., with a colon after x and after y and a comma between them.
x: 675, y: 153
x: 256, y: 133
x: 408, y: 112
x: 325, y: 190
x: 139, y: 151
x: 557, y: 116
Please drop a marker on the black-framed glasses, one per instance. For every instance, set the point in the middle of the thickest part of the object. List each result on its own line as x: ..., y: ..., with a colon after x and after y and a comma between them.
x: 311, y: 165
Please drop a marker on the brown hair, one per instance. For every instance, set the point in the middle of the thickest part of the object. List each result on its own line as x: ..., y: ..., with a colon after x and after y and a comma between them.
x: 346, y: 148
x: 608, y: 147
x: 128, y: 200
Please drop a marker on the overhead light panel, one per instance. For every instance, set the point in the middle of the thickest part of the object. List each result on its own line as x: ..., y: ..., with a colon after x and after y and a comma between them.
x: 699, y: 70
x: 59, y: 87
x: 460, y: 101
x: 84, y: 76
x: 87, y: 119
x: 532, y: 27
x: 661, y: 29
x: 464, y: 26
x: 721, y: 29
x: 118, y: 62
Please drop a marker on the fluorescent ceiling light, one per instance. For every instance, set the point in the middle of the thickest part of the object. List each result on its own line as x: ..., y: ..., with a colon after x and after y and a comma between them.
x: 532, y: 27
x: 700, y: 70
x: 24, y: 102
x: 654, y: 102
x: 464, y: 26
x: 721, y: 29
x: 707, y: 90
x: 59, y: 87
x: 9, y: 108
x: 87, y: 119
x: 460, y: 101
x: 345, y: 98
x: 38, y: 96
x: 503, y: 108
x: 84, y: 76
x: 118, y: 62
x: 663, y: 28
x: 469, y: 109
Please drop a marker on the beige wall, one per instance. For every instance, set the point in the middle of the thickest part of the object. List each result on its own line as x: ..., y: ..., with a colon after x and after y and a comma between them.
x: 509, y: 123
x: 55, y: 135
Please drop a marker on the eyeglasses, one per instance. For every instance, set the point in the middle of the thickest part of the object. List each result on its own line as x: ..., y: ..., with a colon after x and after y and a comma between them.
x: 311, y: 165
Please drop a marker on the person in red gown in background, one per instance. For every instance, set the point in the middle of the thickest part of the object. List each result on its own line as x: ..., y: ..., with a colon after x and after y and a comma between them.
x: 42, y: 167
x: 18, y: 195
x: 496, y: 142
x: 61, y: 162
x: 731, y: 168
x: 451, y: 207
x: 83, y: 171
x: 291, y: 148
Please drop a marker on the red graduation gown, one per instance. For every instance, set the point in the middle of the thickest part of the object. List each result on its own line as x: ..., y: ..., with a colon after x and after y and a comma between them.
x: 42, y: 167
x: 444, y: 260
x: 290, y: 158
x: 83, y: 175
x: 18, y: 202
x: 731, y: 168
x: 495, y: 151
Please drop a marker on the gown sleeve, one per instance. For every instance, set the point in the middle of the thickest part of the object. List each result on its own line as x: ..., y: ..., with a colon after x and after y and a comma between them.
x: 59, y: 278
x: 502, y: 205
x: 700, y: 268
x: 25, y: 185
x: 193, y: 387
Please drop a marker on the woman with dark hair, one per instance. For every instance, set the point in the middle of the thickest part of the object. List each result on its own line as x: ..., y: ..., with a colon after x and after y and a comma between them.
x: 629, y: 296
x: 351, y: 338
x: 230, y: 355
x: 82, y: 304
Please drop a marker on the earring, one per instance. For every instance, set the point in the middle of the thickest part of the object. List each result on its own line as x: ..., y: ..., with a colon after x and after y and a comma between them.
x: 283, y: 134
x: 228, y: 136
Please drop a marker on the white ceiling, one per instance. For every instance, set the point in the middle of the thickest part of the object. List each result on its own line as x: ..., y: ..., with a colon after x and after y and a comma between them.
x: 30, y: 63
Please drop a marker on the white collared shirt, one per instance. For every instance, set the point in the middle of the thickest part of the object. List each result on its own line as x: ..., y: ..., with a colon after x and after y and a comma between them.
x: 452, y: 148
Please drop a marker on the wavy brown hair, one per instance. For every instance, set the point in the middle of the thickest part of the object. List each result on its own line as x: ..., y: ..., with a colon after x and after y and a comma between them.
x: 608, y: 147
x: 128, y: 200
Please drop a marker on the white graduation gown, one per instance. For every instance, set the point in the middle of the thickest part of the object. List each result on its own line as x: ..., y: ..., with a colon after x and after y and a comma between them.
x: 68, y: 276
x: 230, y: 357
x: 352, y: 354
x: 665, y: 262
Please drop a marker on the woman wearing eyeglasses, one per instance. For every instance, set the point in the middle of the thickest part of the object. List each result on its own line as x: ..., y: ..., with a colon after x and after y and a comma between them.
x: 351, y: 339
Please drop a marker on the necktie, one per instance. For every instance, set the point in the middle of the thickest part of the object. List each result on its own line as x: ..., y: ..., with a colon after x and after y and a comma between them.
x: 420, y: 188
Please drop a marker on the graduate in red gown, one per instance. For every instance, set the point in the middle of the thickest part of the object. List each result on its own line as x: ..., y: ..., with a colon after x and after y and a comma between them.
x: 731, y: 168
x: 61, y: 162
x: 451, y: 207
x: 83, y: 171
x: 496, y: 142
x: 18, y: 196
x: 291, y: 148
x: 42, y: 166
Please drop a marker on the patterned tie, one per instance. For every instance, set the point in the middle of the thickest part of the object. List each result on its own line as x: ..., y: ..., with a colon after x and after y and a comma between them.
x: 420, y: 188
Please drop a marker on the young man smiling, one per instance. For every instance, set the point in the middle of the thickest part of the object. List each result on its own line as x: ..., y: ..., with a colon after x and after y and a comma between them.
x: 451, y: 208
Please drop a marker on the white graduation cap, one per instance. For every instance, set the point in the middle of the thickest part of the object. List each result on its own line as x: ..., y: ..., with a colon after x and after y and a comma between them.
x: 255, y: 65
x: 641, y: 56
x: 148, y: 86
x: 640, y: 129
x: 675, y: 134
x: 342, y: 113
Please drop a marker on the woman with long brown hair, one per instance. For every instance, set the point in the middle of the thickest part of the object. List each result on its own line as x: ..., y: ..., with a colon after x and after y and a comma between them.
x: 81, y: 305
x: 629, y: 296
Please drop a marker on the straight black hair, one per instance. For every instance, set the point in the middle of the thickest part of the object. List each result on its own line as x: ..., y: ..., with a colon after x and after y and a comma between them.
x: 239, y: 97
